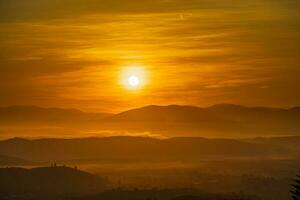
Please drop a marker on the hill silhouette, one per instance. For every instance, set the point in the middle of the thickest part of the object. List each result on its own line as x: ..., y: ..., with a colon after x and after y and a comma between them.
x: 36, y: 115
x: 167, y: 113
x: 208, y: 197
x: 13, y: 161
x: 218, y: 120
x: 161, y: 194
x: 47, y: 181
x: 223, y: 120
x: 147, y: 149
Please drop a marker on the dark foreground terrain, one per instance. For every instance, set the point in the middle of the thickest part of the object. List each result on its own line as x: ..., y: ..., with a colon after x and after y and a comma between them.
x: 67, y: 183
x: 166, y: 194
x: 21, y: 183
x: 259, y: 167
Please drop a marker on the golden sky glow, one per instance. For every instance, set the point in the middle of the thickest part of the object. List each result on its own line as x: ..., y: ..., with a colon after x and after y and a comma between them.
x: 81, y: 53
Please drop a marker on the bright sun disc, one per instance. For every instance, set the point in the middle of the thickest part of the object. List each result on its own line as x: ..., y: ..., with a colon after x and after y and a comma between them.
x: 133, y: 78
x: 133, y: 81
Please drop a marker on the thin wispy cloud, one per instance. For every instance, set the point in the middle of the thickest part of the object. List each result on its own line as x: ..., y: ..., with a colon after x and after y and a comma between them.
x: 69, y: 53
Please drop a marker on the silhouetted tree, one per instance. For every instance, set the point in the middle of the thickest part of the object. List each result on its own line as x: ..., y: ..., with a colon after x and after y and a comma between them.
x: 296, y: 188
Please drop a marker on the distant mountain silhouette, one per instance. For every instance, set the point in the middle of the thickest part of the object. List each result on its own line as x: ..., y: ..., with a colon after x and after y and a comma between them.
x: 173, y: 113
x: 223, y: 120
x: 13, y: 161
x: 47, y: 181
x: 227, y: 112
x: 258, y: 115
x: 34, y: 114
x: 218, y: 120
x: 119, y: 149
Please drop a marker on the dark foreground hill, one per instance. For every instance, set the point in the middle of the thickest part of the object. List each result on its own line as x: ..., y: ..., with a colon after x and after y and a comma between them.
x: 162, y: 194
x: 122, y: 149
x: 47, y: 181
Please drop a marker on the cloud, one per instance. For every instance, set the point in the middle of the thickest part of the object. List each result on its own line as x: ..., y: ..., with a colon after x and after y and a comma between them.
x: 54, y: 9
x: 68, y: 52
x: 15, y: 10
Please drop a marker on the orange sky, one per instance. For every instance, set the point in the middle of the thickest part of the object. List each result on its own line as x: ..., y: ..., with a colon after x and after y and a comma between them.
x: 67, y: 53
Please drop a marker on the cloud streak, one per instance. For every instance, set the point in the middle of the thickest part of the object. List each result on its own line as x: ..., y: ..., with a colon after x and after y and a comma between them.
x: 68, y: 53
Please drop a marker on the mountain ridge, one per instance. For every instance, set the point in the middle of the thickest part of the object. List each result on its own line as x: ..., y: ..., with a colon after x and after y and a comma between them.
x: 167, y: 121
x: 15, y: 107
x: 148, y: 149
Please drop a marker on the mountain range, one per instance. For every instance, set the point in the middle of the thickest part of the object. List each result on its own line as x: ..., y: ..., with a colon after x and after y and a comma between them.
x: 13, y: 161
x: 145, y: 149
x: 223, y: 120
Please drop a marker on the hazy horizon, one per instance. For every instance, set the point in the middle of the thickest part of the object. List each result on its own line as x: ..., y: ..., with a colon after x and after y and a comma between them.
x: 149, y: 105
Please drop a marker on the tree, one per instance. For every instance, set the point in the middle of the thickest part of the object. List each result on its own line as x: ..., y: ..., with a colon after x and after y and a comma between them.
x: 296, y: 188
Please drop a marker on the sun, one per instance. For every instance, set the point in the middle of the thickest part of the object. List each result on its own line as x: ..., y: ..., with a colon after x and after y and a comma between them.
x: 133, y: 77
x: 134, y: 81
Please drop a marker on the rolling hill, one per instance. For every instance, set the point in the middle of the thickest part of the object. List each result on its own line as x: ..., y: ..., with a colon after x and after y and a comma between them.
x: 224, y: 120
x: 47, y: 182
x: 13, y: 161
x: 171, y: 113
x: 133, y: 149
x: 38, y: 115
